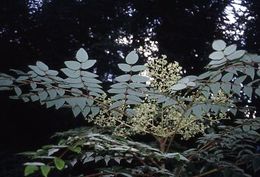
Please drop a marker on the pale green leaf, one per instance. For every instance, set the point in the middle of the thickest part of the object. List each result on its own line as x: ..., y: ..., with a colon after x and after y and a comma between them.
x: 118, y: 97
x: 59, y: 103
x: 76, y: 111
x: 248, y: 91
x: 52, y: 72
x: 42, y: 66
x: 124, y: 67
x: 227, y: 77
x: 82, y: 55
x: 132, y: 58
x: 138, y: 78
x: 37, y: 70
x: 74, y: 65
x: 138, y: 68
x: 60, y: 91
x: 230, y: 49
x: 216, y: 78
x: 88, y: 74
x: 250, y: 71
x: 178, y: 86
x: 94, y: 111
x: 236, y: 55
x: 240, y: 79
x: 88, y: 64
x: 18, y: 91
x: 52, y: 93
x: 226, y: 87
x: 117, y: 104
x: 134, y: 98
x: 71, y: 73
x: 43, y: 95
x: 123, y: 78
x: 73, y: 80
x: 119, y: 85
x: 6, y: 82
x: 90, y: 80
x: 215, y: 87
x: 216, y: 55
x: 219, y: 45
x: 86, y: 111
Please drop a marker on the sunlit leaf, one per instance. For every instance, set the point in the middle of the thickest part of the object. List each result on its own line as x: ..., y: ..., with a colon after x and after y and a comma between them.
x: 123, y: 78
x: 37, y: 70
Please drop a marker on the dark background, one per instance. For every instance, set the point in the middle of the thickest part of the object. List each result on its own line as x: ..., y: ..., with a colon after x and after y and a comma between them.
x: 53, y: 30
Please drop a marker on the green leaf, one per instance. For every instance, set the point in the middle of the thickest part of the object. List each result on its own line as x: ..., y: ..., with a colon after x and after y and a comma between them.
x: 138, y: 78
x: 37, y: 70
x: 42, y: 66
x: 73, y: 80
x: 18, y: 91
x: 178, y: 86
x: 82, y: 55
x: 117, y: 104
x: 226, y: 87
x: 250, y: 71
x: 94, y: 111
x: 116, y: 90
x: 59, y: 103
x: 6, y: 82
x: 86, y: 111
x: 71, y: 73
x: 52, y: 93
x: 118, y: 97
x: 91, y: 80
x: 74, y: 65
x: 219, y: 45
x: 237, y: 54
x: 76, y: 111
x: 52, y: 72
x: 134, y: 98
x: 256, y: 59
x: 123, y: 78
x: 216, y: 55
x: 248, y: 91
x: 119, y: 85
x: 230, y: 49
x: 43, y: 95
x: 45, y: 170
x: 215, y: 87
x: 227, y: 77
x: 132, y: 58
x: 216, y: 77
x: 240, y: 79
x: 59, y: 163
x: 88, y: 64
x: 30, y: 169
x: 138, y: 68
x: 124, y: 67
x: 204, y: 75
x: 88, y: 74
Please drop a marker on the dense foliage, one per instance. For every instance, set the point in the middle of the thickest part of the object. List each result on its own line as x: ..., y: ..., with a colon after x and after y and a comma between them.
x: 152, y: 100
